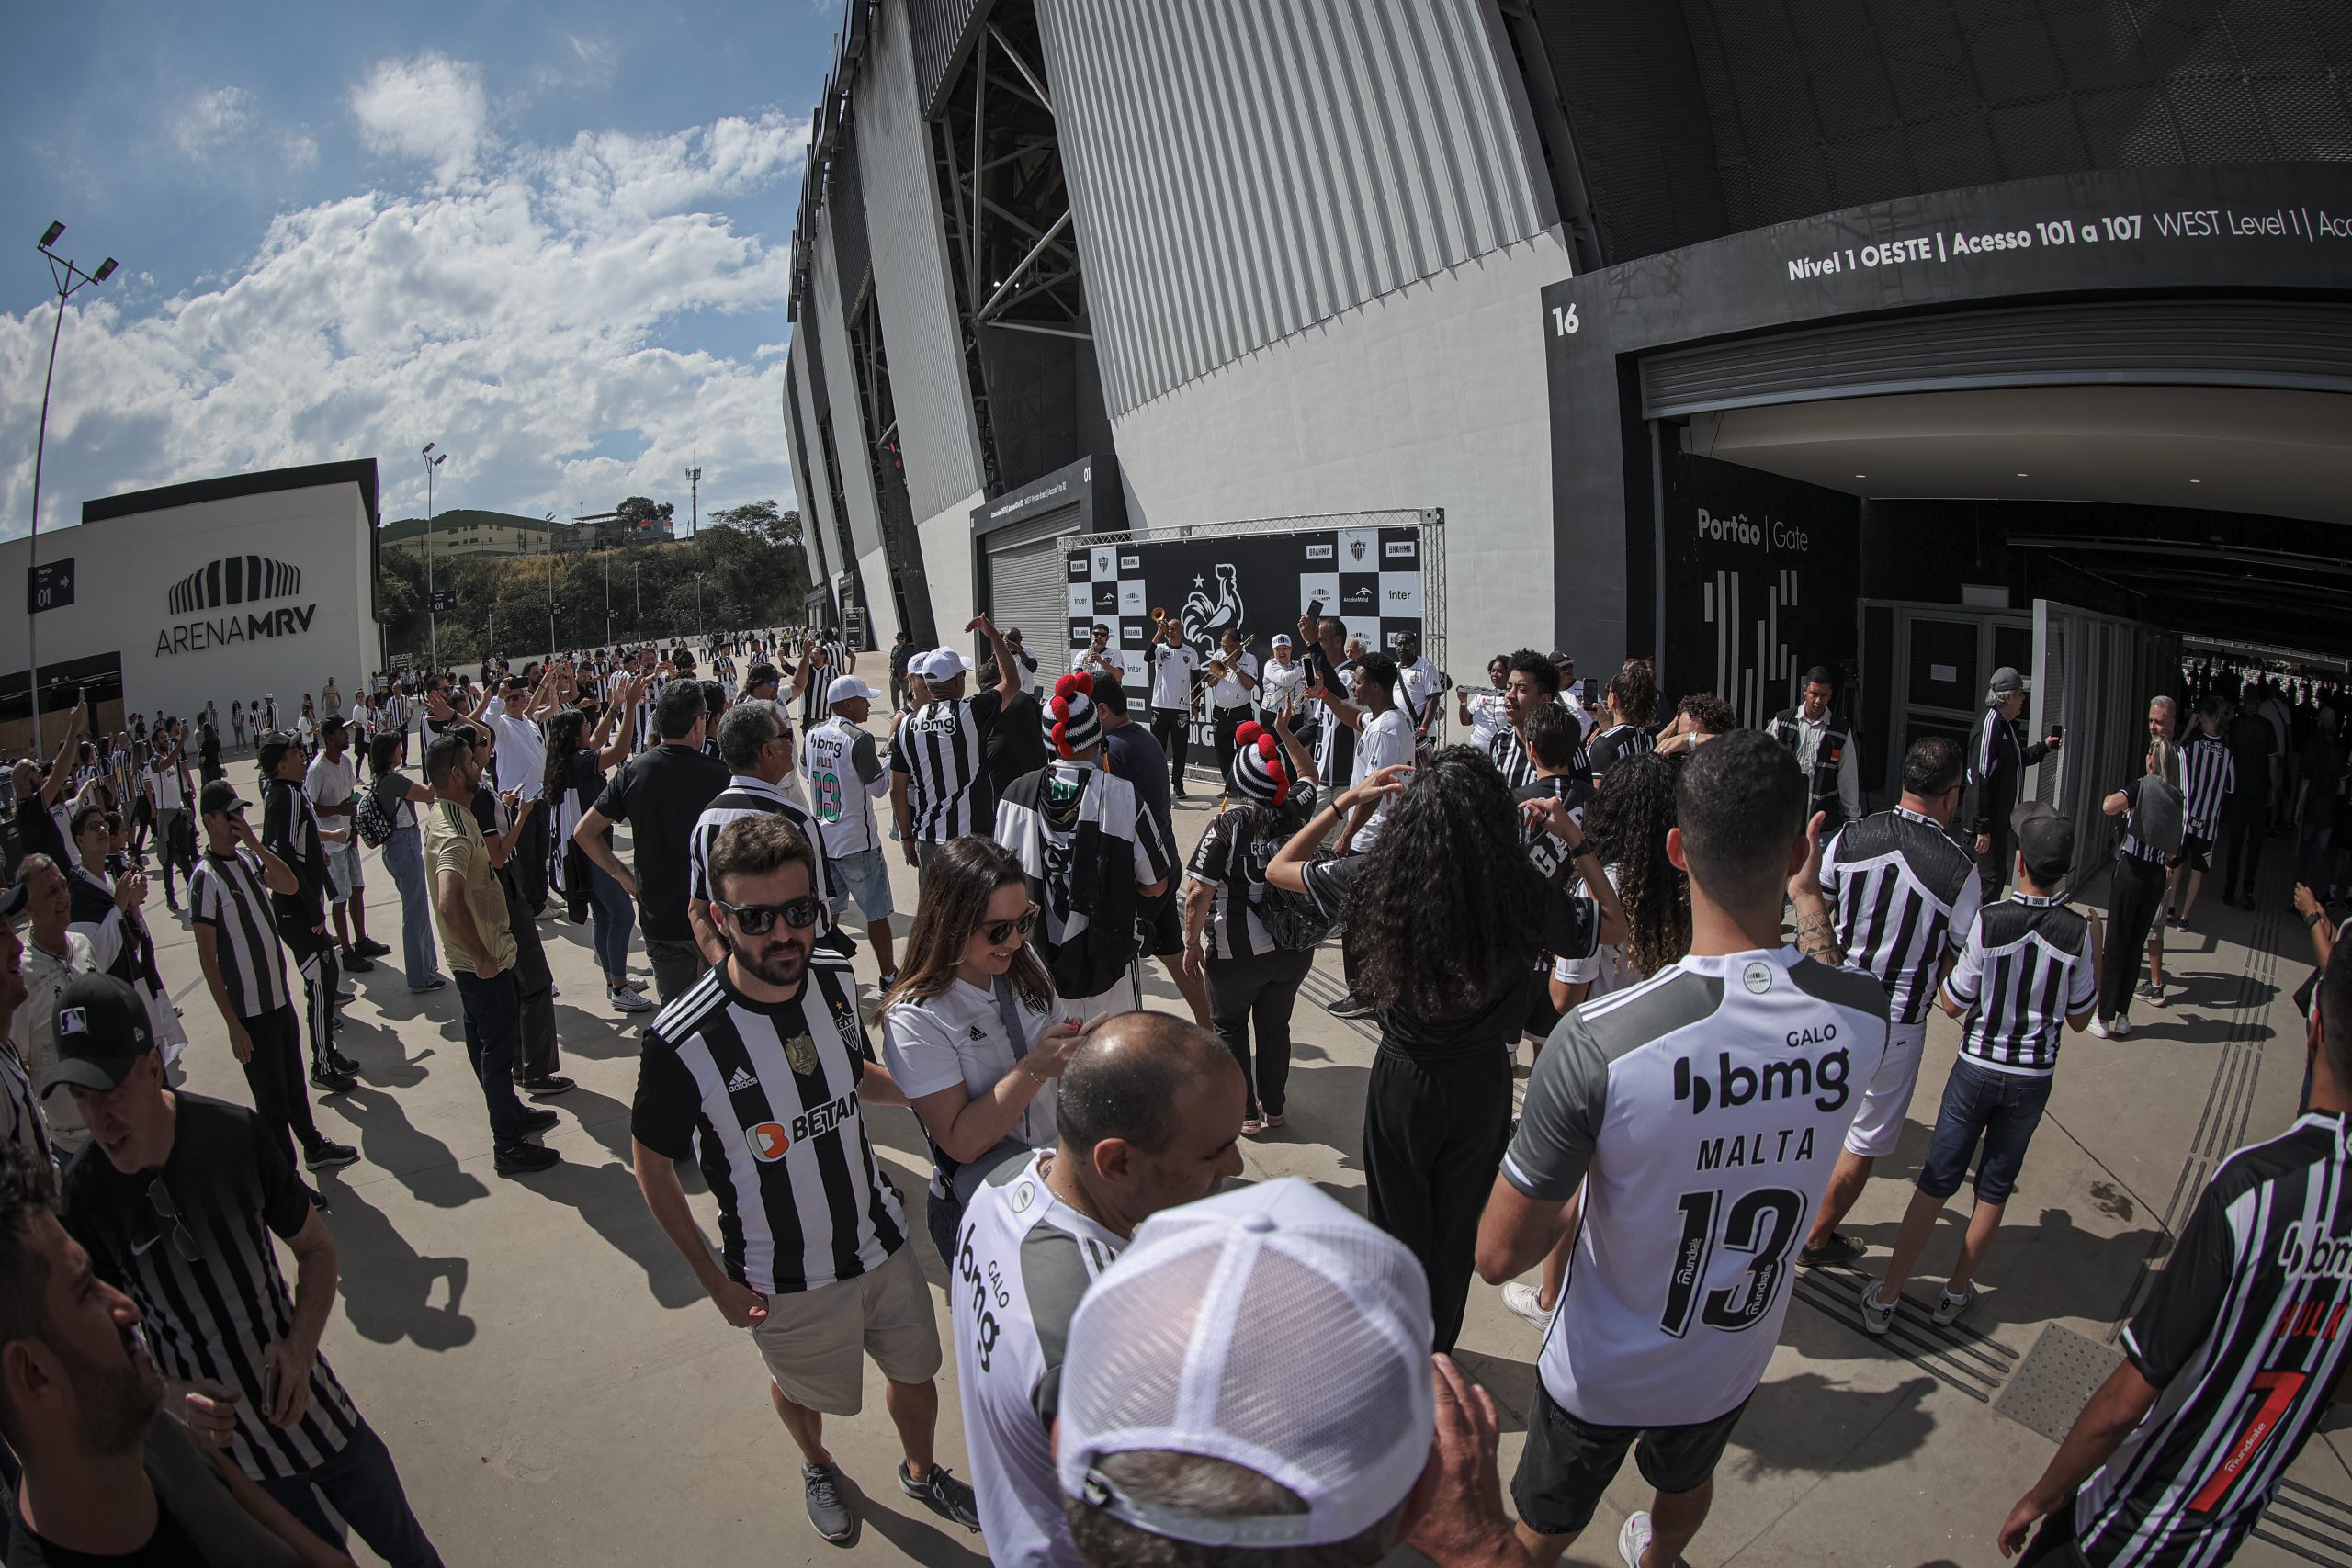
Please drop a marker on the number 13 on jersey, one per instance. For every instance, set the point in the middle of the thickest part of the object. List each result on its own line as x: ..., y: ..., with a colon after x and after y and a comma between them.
x: 1765, y: 1224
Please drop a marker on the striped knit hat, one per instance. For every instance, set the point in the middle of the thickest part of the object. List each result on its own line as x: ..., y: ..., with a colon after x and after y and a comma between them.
x: 1072, y: 722
x: 1258, y: 771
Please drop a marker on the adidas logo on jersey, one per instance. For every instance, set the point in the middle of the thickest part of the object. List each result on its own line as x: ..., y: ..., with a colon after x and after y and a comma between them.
x: 1793, y: 1077
x: 741, y: 1080
x: 977, y: 1033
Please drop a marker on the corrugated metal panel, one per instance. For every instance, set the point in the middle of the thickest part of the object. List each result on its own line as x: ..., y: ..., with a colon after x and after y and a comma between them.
x: 808, y: 479
x: 1029, y: 585
x: 937, y: 438
x: 1245, y: 168
x: 942, y: 32
x: 840, y: 382
x: 2216, y: 343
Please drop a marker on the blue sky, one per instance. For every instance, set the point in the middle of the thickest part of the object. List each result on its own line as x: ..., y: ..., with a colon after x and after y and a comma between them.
x: 553, y: 239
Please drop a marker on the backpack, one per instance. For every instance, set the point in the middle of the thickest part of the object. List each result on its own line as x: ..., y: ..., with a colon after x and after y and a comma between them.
x: 1293, y: 920
x: 375, y: 827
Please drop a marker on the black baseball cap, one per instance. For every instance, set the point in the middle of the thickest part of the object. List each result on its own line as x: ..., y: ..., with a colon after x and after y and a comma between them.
x: 273, y: 747
x: 219, y: 795
x: 2045, y: 838
x: 763, y: 675
x: 332, y: 721
x: 102, y: 1033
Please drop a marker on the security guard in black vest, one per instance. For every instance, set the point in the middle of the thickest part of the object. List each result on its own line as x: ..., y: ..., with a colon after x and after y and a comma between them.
x: 1824, y: 746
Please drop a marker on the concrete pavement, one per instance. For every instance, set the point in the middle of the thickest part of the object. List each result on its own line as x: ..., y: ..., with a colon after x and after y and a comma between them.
x: 557, y: 1389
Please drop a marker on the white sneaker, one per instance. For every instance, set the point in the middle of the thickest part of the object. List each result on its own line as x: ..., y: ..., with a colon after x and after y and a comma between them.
x: 1526, y: 1301
x: 629, y: 1002
x: 1949, y: 1309
x: 1633, y: 1540
x: 2097, y: 1029
x: 2119, y: 1029
x: 1878, y: 1316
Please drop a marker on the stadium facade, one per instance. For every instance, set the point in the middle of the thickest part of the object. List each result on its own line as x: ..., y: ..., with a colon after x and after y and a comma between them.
x: 1749, y: 334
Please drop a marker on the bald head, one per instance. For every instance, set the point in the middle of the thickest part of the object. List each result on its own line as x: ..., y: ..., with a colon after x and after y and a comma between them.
x: 1130, y: 1079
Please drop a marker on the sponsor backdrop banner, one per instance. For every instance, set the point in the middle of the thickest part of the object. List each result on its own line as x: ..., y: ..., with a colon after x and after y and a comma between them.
x: 1255, y: 584
x: 1762, y: 574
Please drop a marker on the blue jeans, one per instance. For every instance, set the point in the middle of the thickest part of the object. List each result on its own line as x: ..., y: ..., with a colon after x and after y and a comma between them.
x: 404, y: 858
x: 2003, y: 1108
x: 2312, y: 856
x: 493, y: 1036
x: 366, y: 1490
x: 611, y: 916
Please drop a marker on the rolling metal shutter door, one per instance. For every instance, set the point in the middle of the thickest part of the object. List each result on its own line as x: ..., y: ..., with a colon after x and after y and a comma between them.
x: 1028, y: 585
x: 2242, y: 343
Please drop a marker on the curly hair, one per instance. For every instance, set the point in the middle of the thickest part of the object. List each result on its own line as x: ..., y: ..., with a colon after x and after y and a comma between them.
x: 1633, y: 693
x: 1628, y: 825
x: 564, y: 732
x: 1447, y: 908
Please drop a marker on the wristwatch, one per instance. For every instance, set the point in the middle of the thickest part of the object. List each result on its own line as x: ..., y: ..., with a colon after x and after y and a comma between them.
x: 2313, y: 919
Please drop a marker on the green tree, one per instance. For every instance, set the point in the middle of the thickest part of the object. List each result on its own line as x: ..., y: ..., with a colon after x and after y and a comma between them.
x: 640, y: 509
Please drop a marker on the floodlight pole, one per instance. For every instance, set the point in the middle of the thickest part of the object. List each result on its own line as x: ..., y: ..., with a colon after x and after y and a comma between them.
x: 550, y: 588
x: 66, y: 278
x: 432, y: 615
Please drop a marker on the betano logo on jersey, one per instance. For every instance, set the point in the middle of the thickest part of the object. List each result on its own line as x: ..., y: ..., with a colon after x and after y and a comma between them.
x: 1823, y: 1078
x: 771, y: 1140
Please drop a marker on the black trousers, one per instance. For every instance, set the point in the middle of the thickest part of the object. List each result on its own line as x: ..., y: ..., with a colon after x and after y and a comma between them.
x: 676, y: 965
x: 1172, y: 729
x: 314, y: 953
x: 1993, y: 866
x: 1261, y: 991
x: 1222, y: 724
x: 1433, y: 1137
x: 2243, y: 823
x: 537, y: 1056
x: 530, y: 861
x: 274, y: 1073
x: 2131, y: 913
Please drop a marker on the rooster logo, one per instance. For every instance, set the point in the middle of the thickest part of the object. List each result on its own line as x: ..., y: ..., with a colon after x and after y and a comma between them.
x: 1206, y: 620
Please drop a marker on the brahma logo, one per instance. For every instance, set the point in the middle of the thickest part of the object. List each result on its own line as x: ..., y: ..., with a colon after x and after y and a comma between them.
x: 768, y: 1142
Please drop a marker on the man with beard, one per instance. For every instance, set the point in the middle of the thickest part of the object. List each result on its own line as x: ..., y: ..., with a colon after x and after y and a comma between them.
x: 177, y: 1200
x: 761, y: 1069
x: 104, y: 1479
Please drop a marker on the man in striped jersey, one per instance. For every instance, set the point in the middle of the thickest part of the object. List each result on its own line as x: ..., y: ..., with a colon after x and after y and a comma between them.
x: 1091, y: 852
x: 824, y: 659
x: 939, y: 786
x: 1905, y: 897
x: 2209, y: 775
x: 2028, y: 970
x: 1531, y: 680
x: 2230, y: 1364
x: 757, y: 748
x: 245, y: 969
x: 177, y: 1200
x: 762, y: 1070
x: 1147, y: 1118
x: 290, y: 828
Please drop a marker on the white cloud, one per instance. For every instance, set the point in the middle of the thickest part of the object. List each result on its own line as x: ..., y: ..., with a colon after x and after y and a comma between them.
x: 537, y: 319
x: 229, y: 118
x: 430, y: 109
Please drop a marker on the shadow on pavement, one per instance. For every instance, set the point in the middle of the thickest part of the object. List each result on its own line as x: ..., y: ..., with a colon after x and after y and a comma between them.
x: 1812, y: 1425
x: 607, y: 1197
x: 601, y: 1117
x: 413, y: 1157
x: 918, y: 1540
x: 387, y: 1284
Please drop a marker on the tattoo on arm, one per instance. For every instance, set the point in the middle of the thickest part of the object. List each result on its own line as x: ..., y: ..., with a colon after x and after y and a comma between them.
x: 1818, y: 937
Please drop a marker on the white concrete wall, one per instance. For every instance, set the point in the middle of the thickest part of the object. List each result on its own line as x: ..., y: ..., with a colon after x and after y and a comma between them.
x: 947, y: 561
x: 125, y: 568
x: 1433, y: 395
x: 874, y: 568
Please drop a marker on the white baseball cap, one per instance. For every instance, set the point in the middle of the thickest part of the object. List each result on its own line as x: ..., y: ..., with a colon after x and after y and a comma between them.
x: 1272, y: 1329
x: 940, y: 665
x: 847, y: 688
x: 1282, y: 639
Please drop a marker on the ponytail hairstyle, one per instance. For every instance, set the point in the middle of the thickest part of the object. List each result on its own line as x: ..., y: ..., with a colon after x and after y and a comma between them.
x: 1633, y: 692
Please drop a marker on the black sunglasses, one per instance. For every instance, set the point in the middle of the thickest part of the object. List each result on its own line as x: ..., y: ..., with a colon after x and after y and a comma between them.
x: 997, y: 931
x: 159, y: 1197
x: 758, y: 919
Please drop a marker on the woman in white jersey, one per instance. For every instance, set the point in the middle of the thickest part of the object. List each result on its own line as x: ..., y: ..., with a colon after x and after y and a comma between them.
x: 973, y: 1032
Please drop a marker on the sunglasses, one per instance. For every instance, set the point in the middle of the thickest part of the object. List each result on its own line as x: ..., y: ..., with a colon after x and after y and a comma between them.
x: 184, y: 1242
x: 758, y: 919
x: 998, y: 932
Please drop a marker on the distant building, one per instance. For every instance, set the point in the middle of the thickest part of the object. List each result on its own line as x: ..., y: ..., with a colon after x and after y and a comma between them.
x: 471, y: 533
x: 610, y: 530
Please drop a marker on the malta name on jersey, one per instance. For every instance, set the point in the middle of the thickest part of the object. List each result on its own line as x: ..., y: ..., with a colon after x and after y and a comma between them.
x: 1701, y: 1111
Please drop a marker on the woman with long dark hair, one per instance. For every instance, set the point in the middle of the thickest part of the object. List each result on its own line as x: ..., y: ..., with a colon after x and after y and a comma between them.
x: 1627, y: 710
x: 578, y: 758
x: 1251, y: 977
x: 971, y: 1033
x: 1445, y: 915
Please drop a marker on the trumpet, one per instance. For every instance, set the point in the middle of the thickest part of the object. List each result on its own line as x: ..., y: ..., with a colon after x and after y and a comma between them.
x: 1218, y: 670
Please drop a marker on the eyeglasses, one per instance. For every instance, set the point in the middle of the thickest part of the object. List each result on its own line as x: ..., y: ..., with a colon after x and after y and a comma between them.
x: 159, y: 1197
x: 999, y: 932
x: 758, y: 919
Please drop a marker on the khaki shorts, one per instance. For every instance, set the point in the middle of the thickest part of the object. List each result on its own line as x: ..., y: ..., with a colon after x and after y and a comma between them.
x: 811, y: 1339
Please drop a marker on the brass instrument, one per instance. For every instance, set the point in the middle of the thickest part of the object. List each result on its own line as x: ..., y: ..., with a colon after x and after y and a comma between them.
x: 1218, y: 670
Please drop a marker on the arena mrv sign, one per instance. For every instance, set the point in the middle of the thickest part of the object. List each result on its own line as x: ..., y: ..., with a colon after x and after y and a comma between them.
x: 215, y: 600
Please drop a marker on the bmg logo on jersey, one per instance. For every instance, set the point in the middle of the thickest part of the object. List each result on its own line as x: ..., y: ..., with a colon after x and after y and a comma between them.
x: 2307, y: 1251
x: 1823, y: 1078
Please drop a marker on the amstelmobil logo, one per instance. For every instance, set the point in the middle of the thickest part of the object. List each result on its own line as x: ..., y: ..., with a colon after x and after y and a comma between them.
x: 228, y: 585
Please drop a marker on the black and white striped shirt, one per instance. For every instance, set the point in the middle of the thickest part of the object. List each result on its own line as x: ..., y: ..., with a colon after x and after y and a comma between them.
x: 824, y: 666
x: 2208, y: 776
x: 1334, y: 743
x: 1906, y: 897
x: 226, y: 892
x: 2028, y: 962
x: 213, y: 1314
x: 1510, y: 754
x: 2245, y: 1332
x: 1075, y: 830
x: 1232, y: 859
x: 764, y: 1095
x: 1603, y: 751
x: 941, y: 747
x: 749, y: 795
